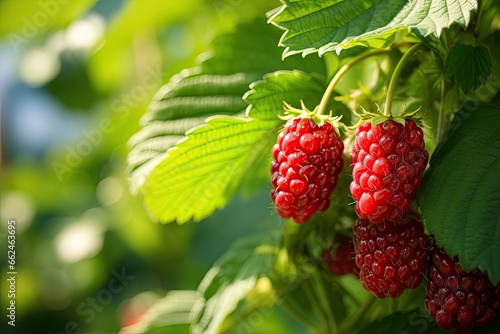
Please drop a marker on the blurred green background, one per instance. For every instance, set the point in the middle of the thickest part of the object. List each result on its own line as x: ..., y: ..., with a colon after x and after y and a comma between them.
x: 75, y: 78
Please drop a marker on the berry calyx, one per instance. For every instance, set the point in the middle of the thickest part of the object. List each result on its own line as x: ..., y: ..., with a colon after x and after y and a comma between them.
x: 307, y: 159
x: 340, y: 257
x: 391, y: 257
x: 388, y: 160
x: 459, y: 301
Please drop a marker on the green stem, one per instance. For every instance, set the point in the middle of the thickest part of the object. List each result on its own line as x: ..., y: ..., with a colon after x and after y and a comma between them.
x: 440, y: 124
x: 350, y: 323
x: 297, y: 314
x: 395, y: 76
x: 343, y: 70
x: 325, y: 304
x: 312, y: 300
x: 332, y: 63
x: 333, y: 281
x: 394, y: 305
x: 478, y: 19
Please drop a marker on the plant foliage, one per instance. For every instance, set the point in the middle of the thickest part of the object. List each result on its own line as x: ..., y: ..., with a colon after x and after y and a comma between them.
x: 209, y: 133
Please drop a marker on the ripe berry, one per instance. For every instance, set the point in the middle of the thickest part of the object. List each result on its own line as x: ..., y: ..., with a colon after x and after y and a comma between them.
x: 305, y: 169
x: 459, y: 301
x: 340, y: 257
x: 388, y: 160
x: 391, y: 256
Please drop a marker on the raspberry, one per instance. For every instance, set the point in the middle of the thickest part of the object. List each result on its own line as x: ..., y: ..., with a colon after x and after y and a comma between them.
x: 305, y: 169
x: 340, y: 257
x: 391, y: 256
x: 459, y: 301
x: 388, y: 160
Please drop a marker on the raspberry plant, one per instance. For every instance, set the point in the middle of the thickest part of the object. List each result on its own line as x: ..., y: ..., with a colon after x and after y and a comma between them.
x: 415, y: 95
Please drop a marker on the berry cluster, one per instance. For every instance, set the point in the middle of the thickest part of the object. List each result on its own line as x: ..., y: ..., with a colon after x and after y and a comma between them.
x: 391, y: 256
x: 389, y: 250
x: 388, y: 160
x: 340, y: 257
x: 459, y: 301
x: 305, y: 169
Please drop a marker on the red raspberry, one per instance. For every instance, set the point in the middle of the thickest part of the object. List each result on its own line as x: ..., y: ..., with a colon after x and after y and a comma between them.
x: 388, y: 160
x: 340, y: 257
x: 459, y: 301
x: 391, y: 256
x: 305, y: 169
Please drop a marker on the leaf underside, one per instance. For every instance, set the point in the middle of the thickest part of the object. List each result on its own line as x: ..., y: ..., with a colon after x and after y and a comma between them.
x: 334, y: 25
x: 198, y: 175
x: 171, y: 314
x: 470, y: 65
x: 196, y: 145
x: 232, y: 278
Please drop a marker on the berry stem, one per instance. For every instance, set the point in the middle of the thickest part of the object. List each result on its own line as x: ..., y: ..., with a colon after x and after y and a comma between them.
x: 440, y: 122
x: 311, y: 296
x: 324, y: 303
x: 394, y: 305
x: 343, y: 70
x: 395, y: 76
x: 333, y: 281
x: 332, y: 64
x: 299, y: 315
x: 353, y: 321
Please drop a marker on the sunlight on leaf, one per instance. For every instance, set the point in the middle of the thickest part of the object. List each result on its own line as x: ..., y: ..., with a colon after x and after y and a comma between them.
x: 334, y: 25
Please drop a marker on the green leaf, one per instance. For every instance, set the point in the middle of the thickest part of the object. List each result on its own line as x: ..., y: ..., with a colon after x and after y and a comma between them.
x: 170, y: 315
x: 415, y: 321
x: 470, y: 65
x: 202, y: 172
x: 215, y: 87
x: 459, y: 197
x: 266, y: 97
x: 233, y: 279
x: 334, y: 25
x: 179, y: 106
x: 265, y: 100
x: 186, y: 178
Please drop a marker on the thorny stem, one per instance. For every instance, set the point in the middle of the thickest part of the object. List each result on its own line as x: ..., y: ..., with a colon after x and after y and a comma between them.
x: 343, y: 70
x: 439, y: 131
x: 395, y: 76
